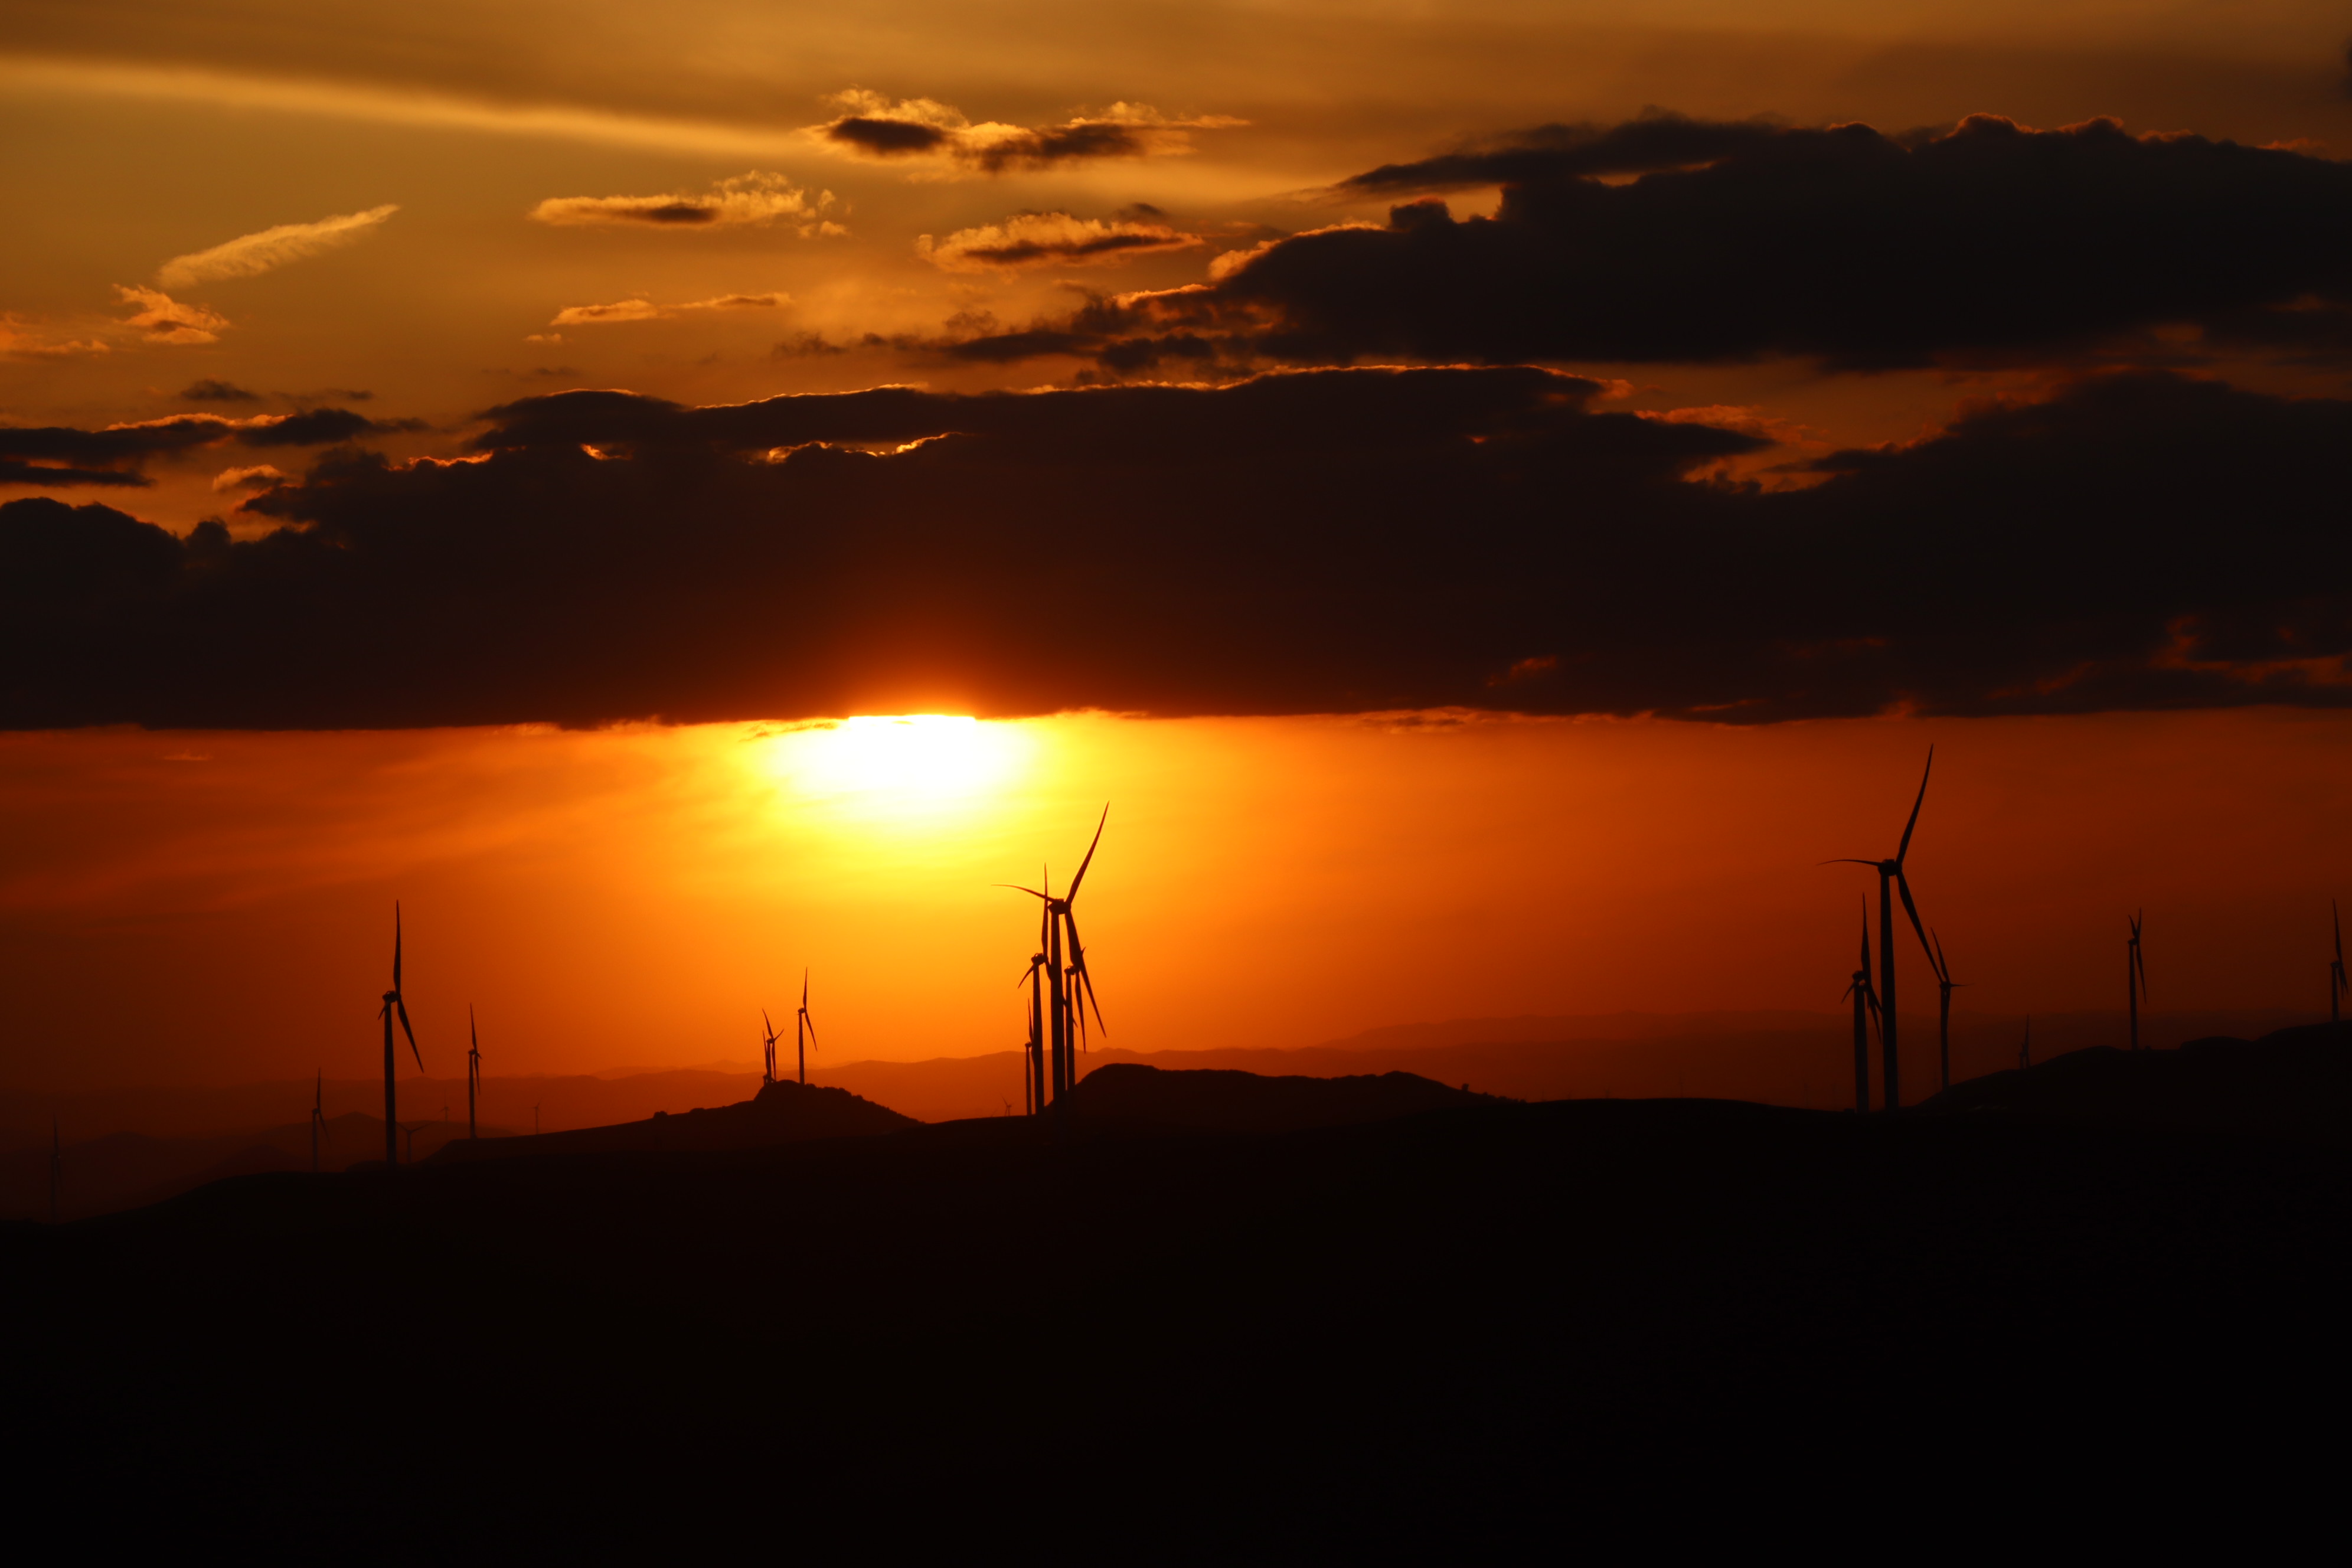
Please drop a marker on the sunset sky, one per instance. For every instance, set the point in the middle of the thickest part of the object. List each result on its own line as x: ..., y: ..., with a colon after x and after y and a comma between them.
x: 1491, y: 495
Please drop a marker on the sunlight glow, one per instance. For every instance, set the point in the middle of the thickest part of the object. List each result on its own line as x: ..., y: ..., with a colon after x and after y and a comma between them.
x: 910, y: 762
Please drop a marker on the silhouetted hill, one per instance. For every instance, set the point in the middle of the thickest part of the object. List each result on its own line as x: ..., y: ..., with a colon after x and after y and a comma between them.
x: 1224, y: 1101
x: 1490, y: 1331
x: 780, y: 1113
x: 125, y: 1170
x: 2290, y: 1081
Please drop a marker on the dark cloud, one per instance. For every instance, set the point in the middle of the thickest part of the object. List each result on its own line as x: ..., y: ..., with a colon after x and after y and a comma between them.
x: 1989, y: 242
x: 1658, y: 139
x: 1333, y: 540
x: 61, y: 454
x: 211, y: 391
x: 886, y: 138
x: 1075, y: 143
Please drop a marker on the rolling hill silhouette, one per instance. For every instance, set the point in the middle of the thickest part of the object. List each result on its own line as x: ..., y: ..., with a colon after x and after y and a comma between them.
x: 781, y: 1113
x: 1458, y: 1329
x: 2295, y: 1081
x: 1212, y: 1101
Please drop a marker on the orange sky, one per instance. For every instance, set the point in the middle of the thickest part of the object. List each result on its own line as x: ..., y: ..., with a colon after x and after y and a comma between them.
x: 206, y: 908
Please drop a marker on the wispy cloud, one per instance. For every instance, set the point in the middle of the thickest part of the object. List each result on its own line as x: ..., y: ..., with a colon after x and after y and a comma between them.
x: 166, y: 320
x: 940, y: 140
x: 1054, y: 238
x: 747, y: 199
x: 251, y: 253
x: 646, y: 310
x: 260, y: 476
x: 20, y: 339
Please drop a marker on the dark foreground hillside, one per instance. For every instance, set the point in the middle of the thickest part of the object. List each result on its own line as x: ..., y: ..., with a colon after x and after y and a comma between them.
x: 1492, y: 1332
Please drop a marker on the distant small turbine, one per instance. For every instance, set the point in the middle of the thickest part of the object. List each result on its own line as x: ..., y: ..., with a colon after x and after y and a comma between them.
x: 1945, y: 986
x: 768, y: 1042
x: 804, y: 1028
x: 318, y: 1117
x: 412, y: 1132
x: 2338, y: 987
x: 2136, y: 979
x: 473, y: 1070
x: 1865, y: 1008
x: 394, y: 1004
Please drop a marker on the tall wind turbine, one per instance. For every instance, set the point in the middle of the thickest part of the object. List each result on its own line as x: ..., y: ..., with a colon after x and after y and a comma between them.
x: 803, y: 1028
x: 393, y: 1004
x: 1065, y: 982
x: 768, y: 1039
x: 473, y: 1070
x: 1891, y: 881
x: 1945, y: 986
x: 1865, y: 1008
x: 2136, y: 979
x: 2338, y: 987
x: 318, y: 1117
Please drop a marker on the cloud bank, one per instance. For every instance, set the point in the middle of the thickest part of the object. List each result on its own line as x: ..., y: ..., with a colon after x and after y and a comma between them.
x: 646, y: 310
x: 62, y: 456
x: 1987, y: 243
x: 249, y: 254
x: 1333, y: 540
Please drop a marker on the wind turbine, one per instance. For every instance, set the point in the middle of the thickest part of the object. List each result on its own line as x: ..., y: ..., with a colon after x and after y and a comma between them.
x: 2136, y: 979
x: 1945, y: 986
x: 318, y: 1117
x: 1865, y: 1007
x: 768, y: 1039
x: 2338, y: 987
x: 412, y: 1132
x: 803, y: 1028
x: 1033, y: 1064
x: 394, y: 1004
x: 1891, y: 881
x: 1065, y: 982
x: 473, y: 1069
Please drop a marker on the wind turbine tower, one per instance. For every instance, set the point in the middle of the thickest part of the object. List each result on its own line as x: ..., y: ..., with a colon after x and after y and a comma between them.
x: 393, y: 1004
x: 1865, y: 1008
x: 1945, y: 986
x: 803, y: 1028
x: 1891, y: 881
x: 2338, y: 985
x: 2136, y: 979
x: 473, y: 1070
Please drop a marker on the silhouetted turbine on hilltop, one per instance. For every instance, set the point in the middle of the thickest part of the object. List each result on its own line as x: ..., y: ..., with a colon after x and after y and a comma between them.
x: 1033, y: 1062
x: 1891, y: 881
x: 2136, y: 978
x: 768, y: 1042
x: 1865, y: 1008
x: 1945, y: 986
x: 394, y: 1004
x: 2338, y: 985
x: 473, y: 1070
x: 804, y: 1028
x: 1066, y: 983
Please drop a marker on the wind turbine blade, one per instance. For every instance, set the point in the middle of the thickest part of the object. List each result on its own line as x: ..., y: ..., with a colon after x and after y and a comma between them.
x: 804, y: 974
x: 1089, y: 981
x: 409, y: 1032
x: 1846, y: 860
x: 1903, y: 886
x: 1090, y: 853
x: 1019, y: 888
x: 765, y: 1023
x: 473, y: 1033
x: 1904, y: 848
x: 395, y: 945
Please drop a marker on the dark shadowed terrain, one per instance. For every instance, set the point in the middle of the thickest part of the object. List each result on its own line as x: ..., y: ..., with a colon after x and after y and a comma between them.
x: 1480, y: 1331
